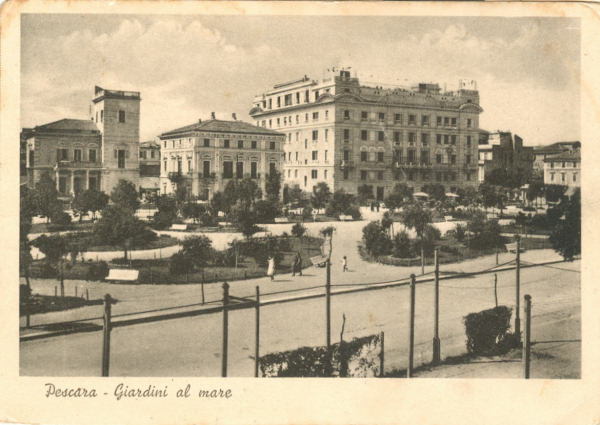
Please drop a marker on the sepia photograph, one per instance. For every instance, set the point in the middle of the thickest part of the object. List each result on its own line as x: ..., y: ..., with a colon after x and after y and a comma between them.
x: 299, y: 196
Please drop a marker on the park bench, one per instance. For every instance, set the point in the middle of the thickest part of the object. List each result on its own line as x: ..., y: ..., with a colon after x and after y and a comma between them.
x: 318, y: 260
x: 123, y: 275
x: 344, y: 217
x: 281, y: 220
x: 179, y: 227
x: 448, y: 218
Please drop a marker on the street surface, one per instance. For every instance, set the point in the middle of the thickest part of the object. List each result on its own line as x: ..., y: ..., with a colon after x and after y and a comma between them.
x: 192, y: 346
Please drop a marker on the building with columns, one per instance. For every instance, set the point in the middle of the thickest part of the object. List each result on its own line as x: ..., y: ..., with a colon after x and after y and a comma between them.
x: 88, y: 154
x: 348, y: 135
x: 206, y: 155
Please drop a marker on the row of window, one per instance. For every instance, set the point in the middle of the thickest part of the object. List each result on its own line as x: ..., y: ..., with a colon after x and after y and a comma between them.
x: 289, y: 99
x: 564, y: 164
x: 411, y: 157
x: 153, y: 154
x: 226, y: 144
x: 227, y: 168
x: 62, y: 154
x: 563, y: 177
x: 412, y: 119
x: 121, y: 116
x: 366, y: 175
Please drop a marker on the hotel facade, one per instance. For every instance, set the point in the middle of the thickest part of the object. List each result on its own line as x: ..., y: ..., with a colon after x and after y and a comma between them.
x: 205, y: 156
x: 348, y: 135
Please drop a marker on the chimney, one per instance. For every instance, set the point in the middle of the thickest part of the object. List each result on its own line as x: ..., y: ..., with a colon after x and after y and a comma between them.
x: 234, y: 116
x: 212, y: 116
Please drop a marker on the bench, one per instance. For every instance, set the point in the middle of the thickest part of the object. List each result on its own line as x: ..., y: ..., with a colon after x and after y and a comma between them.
x: 318, y: 260
x: 179, y: 227
x: 127, y: 275
x: 281, y: 220
x: 344, y: 217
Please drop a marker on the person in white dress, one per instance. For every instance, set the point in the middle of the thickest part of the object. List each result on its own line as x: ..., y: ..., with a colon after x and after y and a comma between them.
x: 271, y: 267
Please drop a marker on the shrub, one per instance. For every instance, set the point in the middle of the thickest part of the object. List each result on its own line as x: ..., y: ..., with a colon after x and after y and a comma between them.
x: 307, y: 213
x: 180, y: 264
x: 198, y: 249
x: 401, y: 247
x: 486, y: 329
x: 60, y: 217
x: 376, y: 240
x: 354, y: 211
x: 97, y: 271
x: 262, y: 248
x: 162, y: 220
x: 47, y: 270
x: 459, y: 232
x: 298, y: 230
x: 224, y: 258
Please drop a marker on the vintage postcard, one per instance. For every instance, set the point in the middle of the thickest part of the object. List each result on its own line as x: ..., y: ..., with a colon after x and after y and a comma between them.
x: 383, y: 198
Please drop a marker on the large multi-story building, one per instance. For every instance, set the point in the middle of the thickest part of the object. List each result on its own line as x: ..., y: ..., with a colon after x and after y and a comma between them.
x: 498, y: 150
x: 206, y: 155
x: 350, y: 135
x: 88, y: 154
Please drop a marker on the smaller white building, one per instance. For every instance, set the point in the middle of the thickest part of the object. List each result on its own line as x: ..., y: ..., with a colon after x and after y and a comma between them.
x: 563, y: 169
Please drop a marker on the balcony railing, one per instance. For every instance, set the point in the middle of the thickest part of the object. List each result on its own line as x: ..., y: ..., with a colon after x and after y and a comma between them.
x: 345, y: 164
x: 76, y: 164
x: 209, y: 176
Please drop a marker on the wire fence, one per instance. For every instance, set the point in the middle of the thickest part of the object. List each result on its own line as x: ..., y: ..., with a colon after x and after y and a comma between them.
x: 192, y: 345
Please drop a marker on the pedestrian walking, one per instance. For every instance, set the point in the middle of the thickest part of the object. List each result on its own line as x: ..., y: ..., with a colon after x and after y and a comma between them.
x: 271, y: 267
x: 344, y: 264
x: 297, y: 266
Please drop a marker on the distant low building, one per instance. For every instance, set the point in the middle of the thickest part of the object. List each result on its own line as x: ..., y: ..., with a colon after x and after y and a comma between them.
x: 206, y: 155
x: 563, y: 169
x: 499, y: 150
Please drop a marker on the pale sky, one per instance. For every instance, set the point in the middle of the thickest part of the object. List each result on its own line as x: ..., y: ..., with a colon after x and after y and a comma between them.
x: 527, y: 69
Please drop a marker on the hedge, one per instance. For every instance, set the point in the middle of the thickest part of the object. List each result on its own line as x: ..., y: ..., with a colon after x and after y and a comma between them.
x: 360, y: 357
x: 487, y: 330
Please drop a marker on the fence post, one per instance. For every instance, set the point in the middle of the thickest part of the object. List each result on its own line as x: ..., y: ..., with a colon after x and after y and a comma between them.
x: 75, y: 291
x: 527, y: 337
x: 381, y: 357
x: 496, y: 288
x: 436, y: 336
x: 422, y: 258
x: 87, y: 294
x: 257, y: 342
x: 225, y: 329
x: 328, y: 304
x: 55, y: 291
x: 106, y: 328
x: 518, y: 291
x: 411, y: 331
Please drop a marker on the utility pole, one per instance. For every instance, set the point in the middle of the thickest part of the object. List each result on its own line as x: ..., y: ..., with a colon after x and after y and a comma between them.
x: 411, y: 331
x: 225, y: 329
x: 436, y: 318
x: 328, y: 304
x: 518, y: 291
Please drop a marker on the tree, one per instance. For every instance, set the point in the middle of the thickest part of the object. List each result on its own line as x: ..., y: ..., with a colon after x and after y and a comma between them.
x: 125, y: 196
x: 194, y: 211
x: 245, y: 190
x: 119, y: 226
x: 243, y: 216
x: 167, y: 212
x: 26, y: 213
x: 46, y: 196
x: 436, y: 191
x: 54, y: 247
x: 267, y: 210
x: 535, y: 190
x: 340, y: 203
x: 467, y: 196
x: 321, y: 195
x: 89, y: 200
x: 376, y: 240
x: 488, y: 195
x: 295, y: 194
x: 273, y: 185
x: 198, y: 249
x: 397, y: 196
x: 566, y: 236
x: 554, y: 192
x: 416, y: 217
x: 365, y: 192
x: 387, y: 222
x: 401, y: 245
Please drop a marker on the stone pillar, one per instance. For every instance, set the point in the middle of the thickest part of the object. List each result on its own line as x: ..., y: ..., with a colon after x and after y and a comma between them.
x: 72, y: 182
x: 57, y: 180
x: 87, y: 179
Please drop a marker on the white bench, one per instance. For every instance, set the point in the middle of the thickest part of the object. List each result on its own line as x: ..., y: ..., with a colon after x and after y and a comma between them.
x: 281, y: 220
x: 448, y: 218
x: 128, y: 275
x: 345, y: 217
x: 179, y: 227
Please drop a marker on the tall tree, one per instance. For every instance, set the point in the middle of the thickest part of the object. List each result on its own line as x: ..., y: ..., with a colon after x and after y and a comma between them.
x: 26, y: 213
x: 125, y: 195
x: 273, y: 185
x: 321, y: 195
x: 46, y: 196
x: 566, y: 236
x: 119, y: 226
x: 417, y: 217
x: 89, y: 200
x: 243, y: 216
x: 436, y: 191
x: 397, y: 196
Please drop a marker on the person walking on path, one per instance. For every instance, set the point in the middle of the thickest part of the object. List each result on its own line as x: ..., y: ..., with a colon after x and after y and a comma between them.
x: 344, y: 264
x: 271, y: 267
x: 297, y: 266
